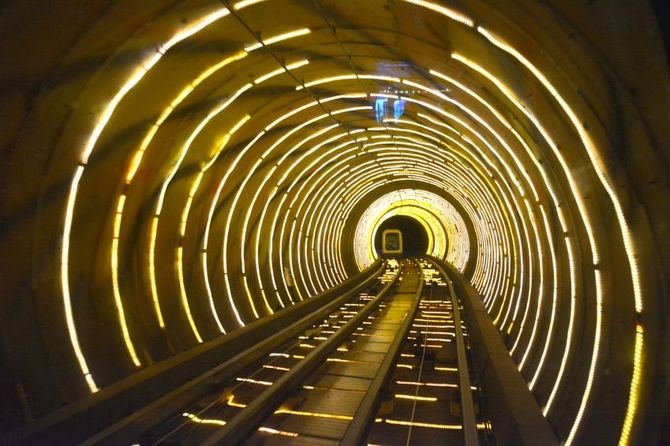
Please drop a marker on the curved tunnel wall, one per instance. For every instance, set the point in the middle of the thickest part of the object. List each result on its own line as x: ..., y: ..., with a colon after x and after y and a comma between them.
x: 181, y: 169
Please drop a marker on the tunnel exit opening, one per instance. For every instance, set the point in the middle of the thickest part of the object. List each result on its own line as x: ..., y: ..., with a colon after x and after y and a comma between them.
x: 415, y: 238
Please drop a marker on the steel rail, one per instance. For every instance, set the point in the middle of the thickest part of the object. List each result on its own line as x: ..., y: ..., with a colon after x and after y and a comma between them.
x: 360, y: 425
x: 129, y: 428
x: 467, y: 406
x: 246, y: 421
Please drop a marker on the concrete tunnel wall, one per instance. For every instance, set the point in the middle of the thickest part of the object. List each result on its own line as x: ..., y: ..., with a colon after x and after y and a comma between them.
x: 137, y: 138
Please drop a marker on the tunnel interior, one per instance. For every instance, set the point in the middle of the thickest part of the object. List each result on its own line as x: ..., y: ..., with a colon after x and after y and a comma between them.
x: 414, y: 235
x: 176, y: 172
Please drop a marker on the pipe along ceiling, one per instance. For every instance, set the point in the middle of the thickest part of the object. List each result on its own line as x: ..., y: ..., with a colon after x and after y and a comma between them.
x: 179, y: 169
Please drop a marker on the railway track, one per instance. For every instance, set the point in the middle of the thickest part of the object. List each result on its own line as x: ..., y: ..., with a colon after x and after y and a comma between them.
x: 388, y: 365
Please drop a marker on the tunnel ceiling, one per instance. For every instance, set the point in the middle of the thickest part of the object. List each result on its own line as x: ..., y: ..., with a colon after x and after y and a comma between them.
x: 173, y: 171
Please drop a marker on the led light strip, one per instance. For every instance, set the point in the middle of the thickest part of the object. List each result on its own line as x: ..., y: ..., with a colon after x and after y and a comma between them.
x: 591, y: 237
x: 524, y: 228
x: 102, y: 121
x: 560, y: 215
x: 547, y: 184
x: 410, y: 122
x: 627, y: 238
x: 91, y: 142
x: 626, y: 233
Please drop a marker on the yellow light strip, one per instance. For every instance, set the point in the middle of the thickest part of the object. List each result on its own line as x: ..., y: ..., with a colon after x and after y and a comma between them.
x: 249, y: 296
x: 633, y: 396
x: 539, y: 312
x: 594, y: 157
x: 216, y: 422
x: 275, y: 39
x: 189, y: 202
x: 250, y: 381
x: 224, y: 141
x: 313, y: 414
x: 594, y: 361
x: 344, y: 77
x: 446, y: 369
x: 276, y: 367
x: 197, y: 419
x: 182, y: 293
x: 415, y: 398
x: 426, y: 425
x: 269, y: 430
x: 226, y: 234
x: 452, y: 14
x: 416, y: 383
x: 115, y: 284
x: 232, y: 403
x: 572, y: 304
x: 152, y: 276
x: 92, y: 140
x: 550, y: 332
x: 281, y: 70
x: 244, y: 3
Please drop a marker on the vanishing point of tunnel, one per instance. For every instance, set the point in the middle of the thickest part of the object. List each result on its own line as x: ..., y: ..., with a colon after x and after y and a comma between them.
x: 196, y: 195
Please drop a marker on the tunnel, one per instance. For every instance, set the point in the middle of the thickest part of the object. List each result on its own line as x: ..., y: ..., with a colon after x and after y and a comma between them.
x: 181, y: 179
x: 414, y: 235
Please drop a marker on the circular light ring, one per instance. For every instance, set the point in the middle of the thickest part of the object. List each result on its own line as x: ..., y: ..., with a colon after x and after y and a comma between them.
x: 445, y: 224
x: 534, y: 326
x: 486, y: 284
x: 314, y: 181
